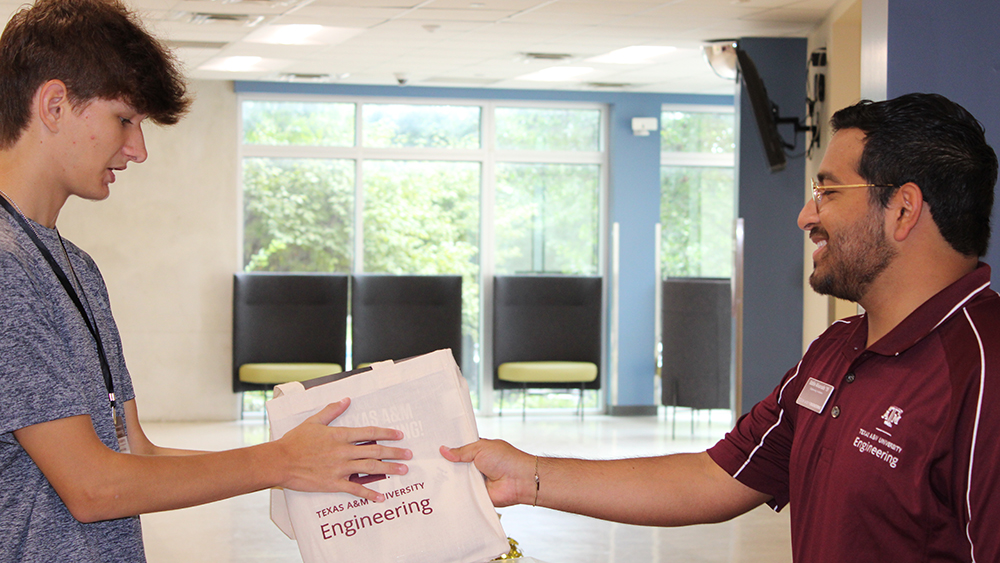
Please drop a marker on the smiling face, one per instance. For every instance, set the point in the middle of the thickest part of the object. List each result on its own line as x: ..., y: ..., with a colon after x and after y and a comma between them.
x: 102, y: 137
x: 852, y: 246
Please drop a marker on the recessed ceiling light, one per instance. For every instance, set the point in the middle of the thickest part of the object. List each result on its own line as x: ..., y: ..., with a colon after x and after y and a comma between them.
x: 638, y: 54
x: 616, y: 85
x: 304, y: 77
x: 302, y: 34
x: 273, y: 3
x: 547, y: 56
x: 202, y: 18
x: 556, y: 73
x: 233, y: 64
x: 180, y: 44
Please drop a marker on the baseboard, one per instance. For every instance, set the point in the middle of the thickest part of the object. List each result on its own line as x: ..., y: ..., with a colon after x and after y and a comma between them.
x: 632, y: 410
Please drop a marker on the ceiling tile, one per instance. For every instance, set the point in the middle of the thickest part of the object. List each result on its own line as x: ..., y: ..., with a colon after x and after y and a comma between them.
x: 788, y: 15
x: 484, y: 41
x: 335, y: 14
x: 433, y: 14
x: 514, y: 5
x: 396, y: 4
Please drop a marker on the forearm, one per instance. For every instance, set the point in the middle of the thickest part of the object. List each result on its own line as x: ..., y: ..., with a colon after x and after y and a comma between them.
x: 672, y: 490
x: 158, y: 450
x: 97, y: 483
x: 669, y: 490
x: 122, y: 485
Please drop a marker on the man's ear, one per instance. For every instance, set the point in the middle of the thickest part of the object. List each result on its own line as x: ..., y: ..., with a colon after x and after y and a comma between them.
x: 52, y: 104
x: 906, y: 207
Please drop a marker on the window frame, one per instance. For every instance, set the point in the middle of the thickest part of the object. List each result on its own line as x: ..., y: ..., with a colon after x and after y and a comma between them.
x: 697, y: 159
x: 676, y: 159
x: 487, y: 155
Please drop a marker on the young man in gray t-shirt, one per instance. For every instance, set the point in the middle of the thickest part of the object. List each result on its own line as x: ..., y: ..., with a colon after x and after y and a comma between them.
x: 77, y: 80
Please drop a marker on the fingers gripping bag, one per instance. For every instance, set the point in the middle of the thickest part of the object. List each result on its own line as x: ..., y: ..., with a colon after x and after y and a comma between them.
x: 438, y: 512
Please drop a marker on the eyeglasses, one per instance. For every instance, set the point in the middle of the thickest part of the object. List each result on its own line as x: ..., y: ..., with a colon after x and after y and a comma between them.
x: 819, y: 190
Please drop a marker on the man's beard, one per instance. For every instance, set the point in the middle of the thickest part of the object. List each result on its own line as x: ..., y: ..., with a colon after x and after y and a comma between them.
x: 853, y: 260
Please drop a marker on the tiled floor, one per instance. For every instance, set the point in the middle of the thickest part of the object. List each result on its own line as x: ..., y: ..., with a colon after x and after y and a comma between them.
x: 239, y: 529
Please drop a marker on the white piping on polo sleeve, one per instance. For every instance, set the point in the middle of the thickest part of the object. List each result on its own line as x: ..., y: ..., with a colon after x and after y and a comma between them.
x: 781, y: 414
x: 781, y: 411
x: 975, y: 433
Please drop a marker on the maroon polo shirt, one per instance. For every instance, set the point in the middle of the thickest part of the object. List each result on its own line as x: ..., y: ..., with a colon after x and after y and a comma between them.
x: 901, y: 462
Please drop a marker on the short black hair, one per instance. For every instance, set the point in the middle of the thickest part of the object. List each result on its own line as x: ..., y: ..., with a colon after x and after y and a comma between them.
x: 98, y: 48
x: 937, y: 144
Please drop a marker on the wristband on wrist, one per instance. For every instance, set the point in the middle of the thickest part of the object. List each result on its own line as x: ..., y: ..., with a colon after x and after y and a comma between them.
x: 537, y: 483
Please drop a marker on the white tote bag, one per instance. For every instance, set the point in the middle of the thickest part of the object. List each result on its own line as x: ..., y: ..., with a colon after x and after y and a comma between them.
x: 438, y: 512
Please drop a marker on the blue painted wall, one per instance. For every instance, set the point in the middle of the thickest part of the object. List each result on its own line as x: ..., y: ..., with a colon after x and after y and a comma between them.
x: 951, y: 48
x: 635, y: 206
x: 633, y: 202
x: 471, y: 93
x: 769, y: 205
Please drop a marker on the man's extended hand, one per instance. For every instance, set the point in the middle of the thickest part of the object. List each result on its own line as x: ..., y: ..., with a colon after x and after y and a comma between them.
x: 669, y: 490
x: 510, y: 473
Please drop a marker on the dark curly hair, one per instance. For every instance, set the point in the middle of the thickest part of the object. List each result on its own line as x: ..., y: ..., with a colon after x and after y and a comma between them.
x: 98, y: 48
x: 937, y: 144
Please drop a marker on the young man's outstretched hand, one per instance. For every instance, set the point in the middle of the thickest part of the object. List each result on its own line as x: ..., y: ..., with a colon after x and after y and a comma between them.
x: 322, y: 458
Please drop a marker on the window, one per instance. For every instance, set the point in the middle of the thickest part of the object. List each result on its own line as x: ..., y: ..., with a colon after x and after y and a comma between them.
x: 542, y: 129
x: 548, y: 186
x: 443, y: 127
x: 422, y: 217
x: 547, y: 218
x: 332, y: 185
x: 298, y: 214
x: 697, y: 205
x: 298, y: 123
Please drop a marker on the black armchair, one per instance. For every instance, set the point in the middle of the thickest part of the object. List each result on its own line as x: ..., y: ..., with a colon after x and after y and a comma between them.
x: 287, y: 327
x: 547, y: 333
x: 697, y: 340
x: 397, y: 317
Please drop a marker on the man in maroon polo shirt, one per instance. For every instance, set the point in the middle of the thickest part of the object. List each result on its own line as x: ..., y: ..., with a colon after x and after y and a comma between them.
x: 880, y: 438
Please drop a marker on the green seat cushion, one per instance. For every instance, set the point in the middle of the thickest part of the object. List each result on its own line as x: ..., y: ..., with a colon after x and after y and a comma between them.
x: 547, y: 372
x: 276, y: 374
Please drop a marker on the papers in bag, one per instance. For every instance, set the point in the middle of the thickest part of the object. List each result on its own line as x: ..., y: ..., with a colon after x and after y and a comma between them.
x: 438, y: 512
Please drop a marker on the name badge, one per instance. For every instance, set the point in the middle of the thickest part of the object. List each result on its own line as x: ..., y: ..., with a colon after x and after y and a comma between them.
x: 123, y: 446
x: 814, y: 395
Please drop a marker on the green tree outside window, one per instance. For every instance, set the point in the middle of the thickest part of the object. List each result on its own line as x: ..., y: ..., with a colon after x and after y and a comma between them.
x: 418, y: 215
x: 547, y: 218
x: 422, y: 217
x: 697, y: 204
x: 419, y: 126
x: 283, y: 123
x: 548, y: 129
x: 682, y: 131
x: 297, y: 215
x: 696, y: 217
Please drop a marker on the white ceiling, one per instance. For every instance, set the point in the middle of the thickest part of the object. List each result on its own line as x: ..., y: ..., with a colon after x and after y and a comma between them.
x: 480, y: 43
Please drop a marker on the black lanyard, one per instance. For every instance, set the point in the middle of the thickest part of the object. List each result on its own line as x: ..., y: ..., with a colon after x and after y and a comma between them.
x: 91, y: 326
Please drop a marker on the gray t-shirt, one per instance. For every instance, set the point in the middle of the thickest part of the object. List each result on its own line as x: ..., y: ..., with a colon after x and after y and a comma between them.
x: 49, y: 369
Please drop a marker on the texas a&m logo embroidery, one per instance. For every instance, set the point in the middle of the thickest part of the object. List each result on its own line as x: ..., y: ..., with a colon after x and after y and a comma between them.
x: 892, y: 416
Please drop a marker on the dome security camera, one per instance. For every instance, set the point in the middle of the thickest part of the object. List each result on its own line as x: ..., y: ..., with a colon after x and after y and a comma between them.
x: 402, y: 78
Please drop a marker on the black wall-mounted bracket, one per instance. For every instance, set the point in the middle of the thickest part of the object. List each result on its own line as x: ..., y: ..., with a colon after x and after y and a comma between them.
x: 798, y: 127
